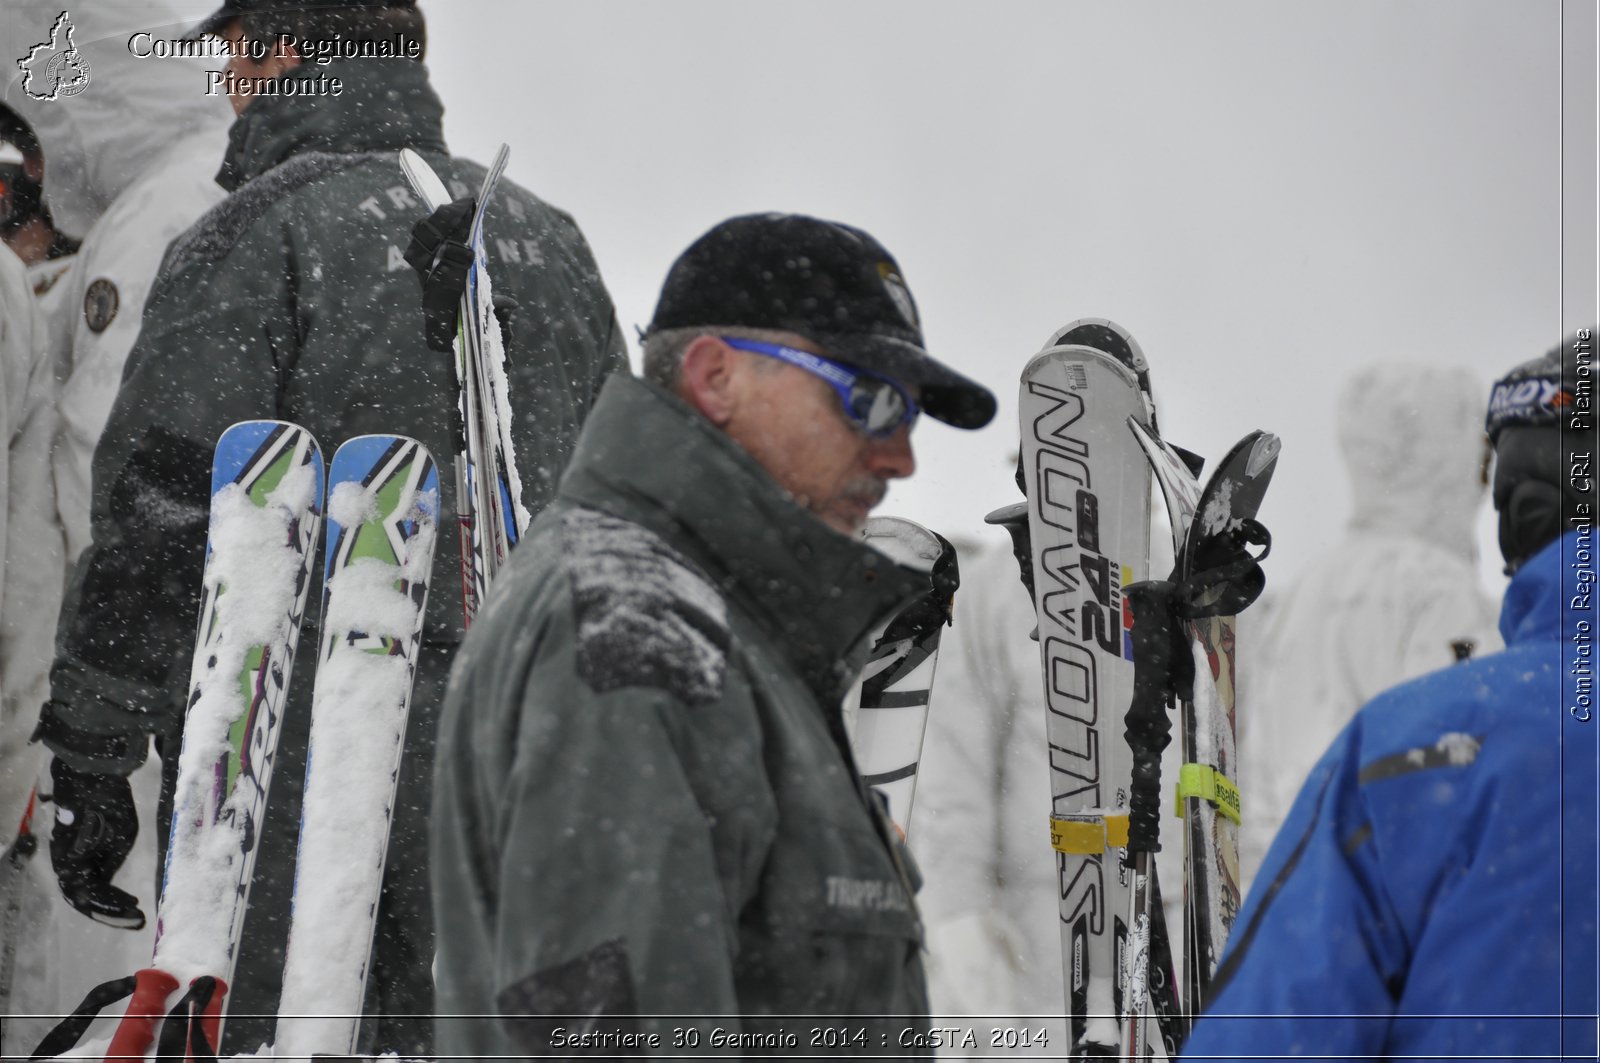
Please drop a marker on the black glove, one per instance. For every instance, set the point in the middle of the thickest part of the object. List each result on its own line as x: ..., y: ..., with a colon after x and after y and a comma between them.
x: 442, y: 259
x: 94, y: 831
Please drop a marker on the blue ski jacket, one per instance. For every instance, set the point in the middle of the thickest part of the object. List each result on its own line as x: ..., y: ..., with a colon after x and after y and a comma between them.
x: 1433, y: 890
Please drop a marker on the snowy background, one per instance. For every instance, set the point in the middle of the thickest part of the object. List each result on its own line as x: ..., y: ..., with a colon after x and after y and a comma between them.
x: 1268, y: 195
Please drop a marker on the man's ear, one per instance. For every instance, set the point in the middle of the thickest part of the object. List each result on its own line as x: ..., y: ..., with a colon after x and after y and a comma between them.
x: 707, y: 379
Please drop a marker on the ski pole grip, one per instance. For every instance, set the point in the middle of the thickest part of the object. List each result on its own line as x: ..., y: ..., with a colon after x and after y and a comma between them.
x: 1149, y: 727
x: 142, y: 1020
x: 1014, y: 519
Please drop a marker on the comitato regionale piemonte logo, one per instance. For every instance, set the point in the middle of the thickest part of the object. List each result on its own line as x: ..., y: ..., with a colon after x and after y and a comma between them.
x: 55, y: 68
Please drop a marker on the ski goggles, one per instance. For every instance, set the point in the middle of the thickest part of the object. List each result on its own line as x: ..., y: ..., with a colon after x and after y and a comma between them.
x: 875, y: 404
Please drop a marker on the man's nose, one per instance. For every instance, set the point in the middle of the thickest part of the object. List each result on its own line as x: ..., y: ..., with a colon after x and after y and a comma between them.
x: 890, y: 457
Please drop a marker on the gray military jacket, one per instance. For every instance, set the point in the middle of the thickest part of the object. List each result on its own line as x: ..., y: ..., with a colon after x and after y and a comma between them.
x: 645, y: 801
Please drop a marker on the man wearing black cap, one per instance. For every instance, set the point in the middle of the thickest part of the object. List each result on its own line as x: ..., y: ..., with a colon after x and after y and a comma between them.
x: 645, y: 802
x: 292, y: 299
x: 1432, y: 892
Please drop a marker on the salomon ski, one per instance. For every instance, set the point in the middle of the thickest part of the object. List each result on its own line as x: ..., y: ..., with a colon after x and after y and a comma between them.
x: 488, y: 489
x: 1086, y: 400
x: 1088, y: 491
x: 887, y: 710
x: 383, y: 500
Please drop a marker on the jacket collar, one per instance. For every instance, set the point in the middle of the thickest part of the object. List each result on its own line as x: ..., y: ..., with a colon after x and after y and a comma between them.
x: 645, y: 457
x: 1544, y: 599
x: 383, y: 105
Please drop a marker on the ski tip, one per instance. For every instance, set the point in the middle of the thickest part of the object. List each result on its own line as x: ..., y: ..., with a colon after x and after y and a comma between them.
x: 1102, y: 334
x: 1263, y: 454
x: 491, y: 179
x: 244, y: 446
x: 423, y: 180
x: 1077, y: 360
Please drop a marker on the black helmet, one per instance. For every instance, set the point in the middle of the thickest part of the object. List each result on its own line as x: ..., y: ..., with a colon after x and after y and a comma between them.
x: 1541, y: 425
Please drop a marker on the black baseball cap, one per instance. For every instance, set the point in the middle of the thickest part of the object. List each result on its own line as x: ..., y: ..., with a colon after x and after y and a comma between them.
x: 232, y: 9
x: 831, y: 283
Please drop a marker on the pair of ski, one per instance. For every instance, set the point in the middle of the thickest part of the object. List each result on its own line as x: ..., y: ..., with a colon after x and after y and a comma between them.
x: 489, y: 506
x: 1119, y: 648
x: 267, y: 504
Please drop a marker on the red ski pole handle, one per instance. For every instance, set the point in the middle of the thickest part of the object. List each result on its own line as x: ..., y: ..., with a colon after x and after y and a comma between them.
x: 146, y: 1008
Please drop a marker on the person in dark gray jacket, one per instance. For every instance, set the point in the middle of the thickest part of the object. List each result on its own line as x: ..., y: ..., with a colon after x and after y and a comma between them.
x: 645, y: 803
x: 292, y: 300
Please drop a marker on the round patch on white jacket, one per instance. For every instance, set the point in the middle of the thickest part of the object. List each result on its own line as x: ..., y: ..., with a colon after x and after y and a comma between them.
x: 100, y: 304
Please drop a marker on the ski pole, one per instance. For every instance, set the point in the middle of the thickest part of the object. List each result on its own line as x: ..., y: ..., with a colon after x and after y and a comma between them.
x: 1159, y: 660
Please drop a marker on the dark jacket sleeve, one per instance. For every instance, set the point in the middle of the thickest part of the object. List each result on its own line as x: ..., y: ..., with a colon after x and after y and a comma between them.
x: 209, y: 354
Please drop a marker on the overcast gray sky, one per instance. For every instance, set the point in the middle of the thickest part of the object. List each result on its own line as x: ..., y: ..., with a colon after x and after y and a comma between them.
x: 1266, y: 194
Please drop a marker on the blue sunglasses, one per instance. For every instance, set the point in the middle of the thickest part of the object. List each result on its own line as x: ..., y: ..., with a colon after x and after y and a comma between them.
x: 875, y: 404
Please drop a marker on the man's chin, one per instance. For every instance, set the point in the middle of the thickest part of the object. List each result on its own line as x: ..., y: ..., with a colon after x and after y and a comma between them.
x: 848, y: 518
x: 849, y: 526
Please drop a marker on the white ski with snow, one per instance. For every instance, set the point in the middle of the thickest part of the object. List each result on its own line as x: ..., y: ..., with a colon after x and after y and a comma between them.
x: 266, y: 510
x: 383, y: 505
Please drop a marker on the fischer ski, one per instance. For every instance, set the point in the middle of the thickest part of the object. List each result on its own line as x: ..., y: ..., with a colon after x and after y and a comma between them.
x: 267, y: 487
x: 886, y: 712
x: 1215, y: 578
x: 488, y: 489
x: 383, y: 501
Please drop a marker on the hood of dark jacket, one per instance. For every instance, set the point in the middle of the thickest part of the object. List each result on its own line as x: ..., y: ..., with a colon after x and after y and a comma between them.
x: 646, y: 457
x: 382, y: 105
